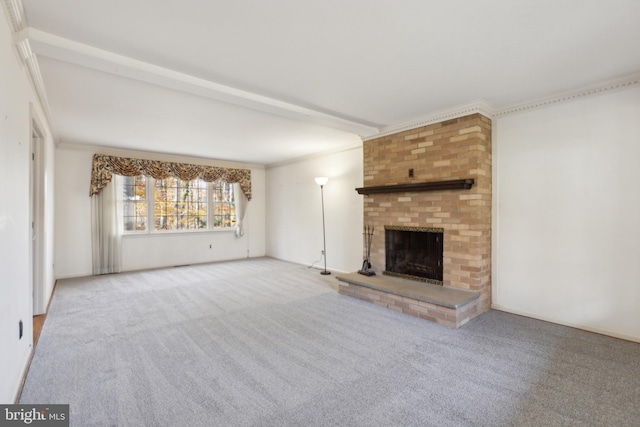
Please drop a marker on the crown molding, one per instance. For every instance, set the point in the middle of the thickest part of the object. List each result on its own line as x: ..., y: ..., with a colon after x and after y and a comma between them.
x: 621, y: 83
x: 16, y: 17
x: 33, y: 72
x: 15, y: 14
x: 482, y: 107
x: 476, y: 107
x: 149, y: 155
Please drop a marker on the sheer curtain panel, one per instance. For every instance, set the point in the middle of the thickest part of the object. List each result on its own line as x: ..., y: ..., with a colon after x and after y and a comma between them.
x: 241, y: 208
x: 106, y: 228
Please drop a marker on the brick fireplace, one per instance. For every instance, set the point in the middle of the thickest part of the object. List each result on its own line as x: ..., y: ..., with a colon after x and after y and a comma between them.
x: 454, y: 150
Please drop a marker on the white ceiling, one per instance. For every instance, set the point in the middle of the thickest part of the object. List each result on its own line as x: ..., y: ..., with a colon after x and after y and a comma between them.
x: 264, y: 81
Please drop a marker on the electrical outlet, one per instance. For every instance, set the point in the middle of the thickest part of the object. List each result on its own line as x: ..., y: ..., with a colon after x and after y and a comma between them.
x: 210, y: 246
x: 322, y: 252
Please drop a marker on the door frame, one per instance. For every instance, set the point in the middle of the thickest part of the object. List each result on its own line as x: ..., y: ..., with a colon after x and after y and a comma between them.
x: 37, y: 226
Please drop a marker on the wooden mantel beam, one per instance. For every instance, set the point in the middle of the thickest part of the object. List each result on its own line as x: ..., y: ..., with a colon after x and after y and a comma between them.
x: 456, y: 184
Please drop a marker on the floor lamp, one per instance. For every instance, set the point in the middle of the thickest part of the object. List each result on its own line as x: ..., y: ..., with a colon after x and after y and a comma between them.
x: 321, y: 181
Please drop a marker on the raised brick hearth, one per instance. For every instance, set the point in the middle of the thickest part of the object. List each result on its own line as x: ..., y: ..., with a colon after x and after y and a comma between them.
x: 442, y: 304
x: 452, y: 150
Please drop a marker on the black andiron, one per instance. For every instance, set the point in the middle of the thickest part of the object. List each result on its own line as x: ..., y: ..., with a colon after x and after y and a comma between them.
x: 366, y: 264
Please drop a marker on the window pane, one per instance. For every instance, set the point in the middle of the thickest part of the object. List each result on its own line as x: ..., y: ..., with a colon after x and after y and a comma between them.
x: 223, y: 205
x: 180, y: 205
x: 135, y: 203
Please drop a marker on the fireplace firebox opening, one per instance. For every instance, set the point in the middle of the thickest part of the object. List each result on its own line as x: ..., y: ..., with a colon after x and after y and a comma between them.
x: 414, y: 253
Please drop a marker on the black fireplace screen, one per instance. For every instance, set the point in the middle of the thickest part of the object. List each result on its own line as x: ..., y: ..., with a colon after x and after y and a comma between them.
x: 414, y: 252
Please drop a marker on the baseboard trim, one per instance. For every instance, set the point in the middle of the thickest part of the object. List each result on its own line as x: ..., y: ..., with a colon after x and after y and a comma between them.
x: 72, y: 276
x: 315, y: 267
x: 25, y: 369
x: 23, y: 376
x: 588, y: 328
x: 132, y: 270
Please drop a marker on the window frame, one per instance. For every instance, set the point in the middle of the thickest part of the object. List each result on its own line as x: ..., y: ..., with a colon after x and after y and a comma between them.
x: 177, y: 191
x: 150, y: 186
x: 211, y: 204
x: 121, y: 189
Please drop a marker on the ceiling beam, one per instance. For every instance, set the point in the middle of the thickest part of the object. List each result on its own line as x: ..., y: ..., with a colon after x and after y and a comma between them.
x: 69, y: 51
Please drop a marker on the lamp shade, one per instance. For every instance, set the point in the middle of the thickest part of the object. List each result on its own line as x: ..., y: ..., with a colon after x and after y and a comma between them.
x: 322, y: 180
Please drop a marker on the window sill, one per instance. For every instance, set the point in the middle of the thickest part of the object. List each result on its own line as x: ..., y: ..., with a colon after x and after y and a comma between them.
x: 179, y: 232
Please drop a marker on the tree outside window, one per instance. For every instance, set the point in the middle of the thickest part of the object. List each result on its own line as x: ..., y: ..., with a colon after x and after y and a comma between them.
x: 172, y: 204
x: 134, y: 203
x: 180, y: 205
x: 223, y: 201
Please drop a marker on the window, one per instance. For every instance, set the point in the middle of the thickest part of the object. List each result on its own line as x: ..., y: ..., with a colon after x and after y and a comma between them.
x: 172, y: 204
x: 180, y: 205
x: 134, y: 203
x: 223, y: 202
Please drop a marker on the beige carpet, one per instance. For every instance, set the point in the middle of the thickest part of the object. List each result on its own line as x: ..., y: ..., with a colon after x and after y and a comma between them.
x: 266, y: 343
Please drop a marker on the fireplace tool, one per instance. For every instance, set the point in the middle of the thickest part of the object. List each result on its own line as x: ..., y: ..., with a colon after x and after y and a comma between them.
x: 366, y: 265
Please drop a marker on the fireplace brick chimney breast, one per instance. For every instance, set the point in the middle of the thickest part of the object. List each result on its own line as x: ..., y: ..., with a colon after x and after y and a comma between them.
x: 454, y: 149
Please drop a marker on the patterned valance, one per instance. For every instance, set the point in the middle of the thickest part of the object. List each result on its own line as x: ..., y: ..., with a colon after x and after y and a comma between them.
x: 105, y: 166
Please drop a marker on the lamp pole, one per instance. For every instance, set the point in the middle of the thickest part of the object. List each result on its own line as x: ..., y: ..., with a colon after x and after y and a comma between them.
x: 322, y: 181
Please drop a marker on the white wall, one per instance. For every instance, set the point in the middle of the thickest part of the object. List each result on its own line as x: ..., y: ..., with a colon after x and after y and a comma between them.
x: 73, y: 213
x: 73, y: 227
x: 17, y: 99
x: 566, y: 230
x: 294, y: 211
